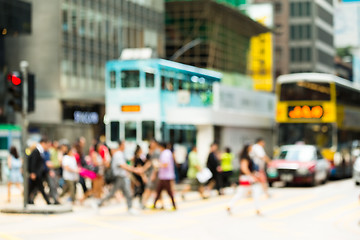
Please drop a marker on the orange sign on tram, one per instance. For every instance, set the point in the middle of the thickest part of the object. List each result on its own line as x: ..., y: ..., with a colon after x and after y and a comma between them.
x: 305, y: 112
x: 130, y: 108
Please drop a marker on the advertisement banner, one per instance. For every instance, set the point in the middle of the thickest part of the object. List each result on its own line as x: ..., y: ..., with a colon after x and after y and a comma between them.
x: 261, y: 48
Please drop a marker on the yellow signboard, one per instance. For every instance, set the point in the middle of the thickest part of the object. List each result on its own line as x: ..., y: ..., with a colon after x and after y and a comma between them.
x: 261, y: 48
x: 261, y: 59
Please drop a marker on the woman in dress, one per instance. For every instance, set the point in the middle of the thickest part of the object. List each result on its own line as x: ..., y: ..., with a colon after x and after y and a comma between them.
x: 14, y: 163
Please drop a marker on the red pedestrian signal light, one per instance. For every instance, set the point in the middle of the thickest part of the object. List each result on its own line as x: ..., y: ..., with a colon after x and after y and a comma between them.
x: 15, y: 80
x: 15, y: 90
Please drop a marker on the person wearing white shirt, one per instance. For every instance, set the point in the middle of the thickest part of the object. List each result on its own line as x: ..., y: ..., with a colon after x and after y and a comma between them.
x: 70, y: 172
x: 260, y: 159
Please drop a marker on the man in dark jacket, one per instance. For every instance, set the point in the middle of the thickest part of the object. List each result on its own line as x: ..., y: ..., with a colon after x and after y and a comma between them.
x: 213, y: 164
x: 36, y: 168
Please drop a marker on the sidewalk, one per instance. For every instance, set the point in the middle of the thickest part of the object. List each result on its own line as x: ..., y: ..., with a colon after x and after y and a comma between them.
x: 17, y: 204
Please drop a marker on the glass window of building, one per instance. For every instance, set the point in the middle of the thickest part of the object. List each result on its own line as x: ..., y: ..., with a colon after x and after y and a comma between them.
x: 149, y: 80
x: 278, y: 7
x: 82, y: 27
x: 148, y: 130
x: 83, y: 70
x: 75, y: 68
x: 130, y: 130
x: 114, y: 131
x: 292, y: 32
x: 112, y: 79
x: 130, y: 79
x: 65, y: 20
x: 292, y: 55
x: 307, y: 9
x: 91, y: 29
x: 292, y: 9
x: 300, y: 9
x: 307, y: 31
x: 73, y: 20
x: 297, y: 54
x: 300, y: 32
x: 308, y: 53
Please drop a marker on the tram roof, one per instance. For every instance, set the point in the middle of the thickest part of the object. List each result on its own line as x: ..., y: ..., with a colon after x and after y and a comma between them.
x: 317, y: 77
x: 169, y: 64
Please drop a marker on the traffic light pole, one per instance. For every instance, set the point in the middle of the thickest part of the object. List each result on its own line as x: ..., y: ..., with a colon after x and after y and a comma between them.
x: 24, y: 69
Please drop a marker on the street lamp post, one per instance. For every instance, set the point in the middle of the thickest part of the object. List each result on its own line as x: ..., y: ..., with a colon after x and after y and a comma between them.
x: 24, y: 65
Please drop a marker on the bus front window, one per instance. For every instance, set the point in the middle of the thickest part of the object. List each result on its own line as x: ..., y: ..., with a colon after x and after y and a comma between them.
x: 309, y: 133
x: 305, y: 90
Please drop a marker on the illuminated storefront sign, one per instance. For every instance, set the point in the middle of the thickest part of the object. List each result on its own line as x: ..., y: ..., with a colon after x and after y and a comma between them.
x: 86, y: 117
x: 305, y: 112
x: 89, y: 114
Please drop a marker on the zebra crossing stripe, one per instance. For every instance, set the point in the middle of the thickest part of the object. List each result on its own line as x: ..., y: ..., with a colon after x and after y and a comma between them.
x: 307, y: 207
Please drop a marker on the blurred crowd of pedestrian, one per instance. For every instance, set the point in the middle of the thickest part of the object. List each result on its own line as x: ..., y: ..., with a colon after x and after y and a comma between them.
x: 56, y: 168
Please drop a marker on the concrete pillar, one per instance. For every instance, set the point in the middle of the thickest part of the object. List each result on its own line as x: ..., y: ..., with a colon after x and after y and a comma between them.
x: 204, y: 137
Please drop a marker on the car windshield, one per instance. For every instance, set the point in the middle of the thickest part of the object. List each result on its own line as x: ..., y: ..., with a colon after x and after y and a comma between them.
x: 297, y: 154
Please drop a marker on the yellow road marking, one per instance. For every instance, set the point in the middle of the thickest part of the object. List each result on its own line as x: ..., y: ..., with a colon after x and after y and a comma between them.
x: 278, y: 204
x: 338, y: 211
x: 128, y: 230
x: 52, y: 230
x: 5, y: 236
x: 217, y: 208
x: 306, y: 207
x: 281, y: 228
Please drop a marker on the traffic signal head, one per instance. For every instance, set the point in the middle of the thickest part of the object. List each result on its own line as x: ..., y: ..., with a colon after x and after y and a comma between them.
x: 15, y: 90
x: 14, y: 79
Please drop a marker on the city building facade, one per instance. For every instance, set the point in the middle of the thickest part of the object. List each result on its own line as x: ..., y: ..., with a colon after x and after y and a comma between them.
x: 222, y: 44
x: 67, y: 50
x: 15, y: 19
x: 304, y: 36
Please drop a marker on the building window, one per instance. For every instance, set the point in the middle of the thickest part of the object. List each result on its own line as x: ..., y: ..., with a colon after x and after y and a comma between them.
x: 148, y: 130
x: 130, y: 79
x: 307, y: 9
x: 149, y: 80
x: 130, y: 131
x: 307, y: 31
x: 278, y: 7
x: 278, y: 52
x: 112, y: 79
x: 75, y: 68
x: 292, y: 9
x: 292, y: 33
x: 308, y: 54
x: 74, y: 21
x: 65, y: 20
x: 114, y: 131
x: 82, y: 27
x: 292, y: 55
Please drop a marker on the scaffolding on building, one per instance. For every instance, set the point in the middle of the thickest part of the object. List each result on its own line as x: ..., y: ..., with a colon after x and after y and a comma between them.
x: 224, y: 32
